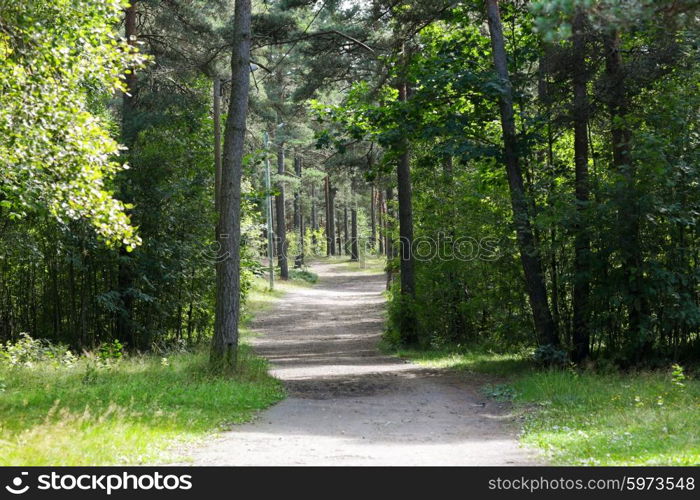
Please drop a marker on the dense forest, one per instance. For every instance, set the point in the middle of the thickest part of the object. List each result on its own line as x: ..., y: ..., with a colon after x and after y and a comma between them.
x: 529, y: 169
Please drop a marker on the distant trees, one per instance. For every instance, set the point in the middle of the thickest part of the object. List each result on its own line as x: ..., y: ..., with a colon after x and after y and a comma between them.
x: 564, y: 97
x: 584, y: 245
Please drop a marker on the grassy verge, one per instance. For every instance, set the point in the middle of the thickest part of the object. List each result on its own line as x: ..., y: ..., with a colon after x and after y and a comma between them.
x: 589, y: 418
x: 128, y: 411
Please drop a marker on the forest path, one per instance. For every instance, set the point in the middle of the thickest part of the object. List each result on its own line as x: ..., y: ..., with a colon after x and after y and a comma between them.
x: 349, y: 404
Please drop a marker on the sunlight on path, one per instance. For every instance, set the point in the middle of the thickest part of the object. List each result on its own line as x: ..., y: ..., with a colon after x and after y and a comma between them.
x: 350, y: 405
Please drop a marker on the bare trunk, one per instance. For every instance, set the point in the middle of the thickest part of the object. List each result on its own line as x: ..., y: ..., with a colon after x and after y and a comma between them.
x: 281, y: 218
x: 327, y: 195
x: 354, y: 247
x: 380, y: 203
x: 389, y: 245
x: 373, y: 216
x: 346, y: 246
x: 331, y: 216
x: 298, y: 216
x: 224, y: 352
x: 530, y: 258
x: 407, y: 327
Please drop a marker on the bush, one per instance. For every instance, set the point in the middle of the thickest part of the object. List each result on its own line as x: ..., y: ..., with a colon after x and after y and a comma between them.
x: 27, y: 351
x: 550, y: 356
x: 303, y: 275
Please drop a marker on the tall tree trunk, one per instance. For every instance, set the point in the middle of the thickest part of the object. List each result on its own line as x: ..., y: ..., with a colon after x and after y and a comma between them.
x: 346, y: 235
x: 408, y: 331
x: 389, y: 244
x: 314, y: 217
x: 327, y: 195
x: 339, y: 237
x: 582, y: 243
x: 638, y: 307
x: 224, y: 351
x: 380, y: 203
x: 530, y: 257
x: 331, y: 216
x: 281, y: 218
x: 373, y: 216
x: 298, y: 216
x: 354, y: 246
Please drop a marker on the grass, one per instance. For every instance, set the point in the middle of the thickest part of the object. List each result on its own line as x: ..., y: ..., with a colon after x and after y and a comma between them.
x: 590, y: 418
x: 127, y: 412
x: 135, y: 410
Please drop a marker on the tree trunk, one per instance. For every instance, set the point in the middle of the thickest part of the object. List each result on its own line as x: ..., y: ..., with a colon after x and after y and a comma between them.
x: 314, y: 218
x: 331, y: 216
x: 389, y: 245
x: 298, y: 216
x: 380, y: 204
x: 408, y: 331
x: 281, y: 218
x: 224, y: 352
x: 354, y: 247
x: 530, y: 258
x: 346, y: 246
x: 339, y: 237
x: 373, y: 216
x: 327, y: 195
x: 582, y: 244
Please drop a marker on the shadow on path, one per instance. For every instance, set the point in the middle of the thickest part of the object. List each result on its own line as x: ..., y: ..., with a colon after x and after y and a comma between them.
x: 349, y: 404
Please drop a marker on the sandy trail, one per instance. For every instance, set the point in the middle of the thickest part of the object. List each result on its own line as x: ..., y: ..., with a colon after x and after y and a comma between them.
x: 350, y: 405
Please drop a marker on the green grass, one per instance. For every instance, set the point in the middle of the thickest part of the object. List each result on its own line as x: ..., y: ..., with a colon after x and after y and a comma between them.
x: 129, y: 412
x: 589, y: 418
x: 132, y: 411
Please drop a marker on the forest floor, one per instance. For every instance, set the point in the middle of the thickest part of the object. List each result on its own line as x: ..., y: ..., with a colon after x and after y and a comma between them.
x: 348, y: 403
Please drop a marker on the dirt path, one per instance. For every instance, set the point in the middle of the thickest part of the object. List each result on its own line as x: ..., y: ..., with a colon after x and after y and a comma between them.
x: 350, y: 405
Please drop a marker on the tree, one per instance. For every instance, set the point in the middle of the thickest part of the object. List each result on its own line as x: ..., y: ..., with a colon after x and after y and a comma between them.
x: 529, y: 255
x: 57, y: 157
x: 580, y: 299
x: 228, y: 267
x: 281, y: 216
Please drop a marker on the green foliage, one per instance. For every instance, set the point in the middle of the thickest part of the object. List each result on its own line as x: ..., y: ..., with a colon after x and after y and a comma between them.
x: 27, y: 351
x: 640, y: 218
x: 303, y: 275
x: 56, y: 156
x: 110, y: 351
x: 550, y: 356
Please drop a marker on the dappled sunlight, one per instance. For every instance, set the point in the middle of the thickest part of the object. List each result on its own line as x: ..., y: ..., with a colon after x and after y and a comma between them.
x: 350, y: 404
